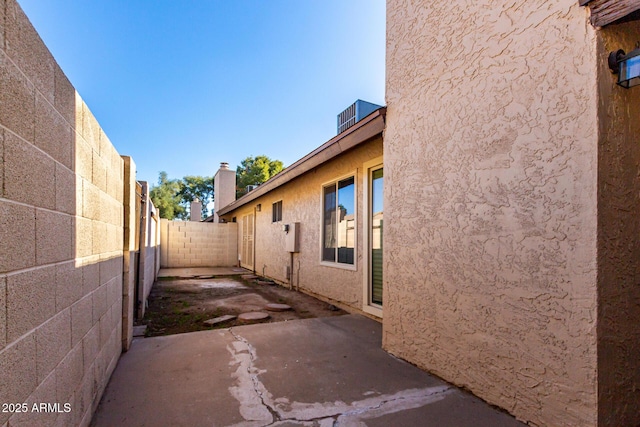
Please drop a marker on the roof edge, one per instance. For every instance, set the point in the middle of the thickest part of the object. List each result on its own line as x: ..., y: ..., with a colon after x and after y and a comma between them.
x: 357, y: 134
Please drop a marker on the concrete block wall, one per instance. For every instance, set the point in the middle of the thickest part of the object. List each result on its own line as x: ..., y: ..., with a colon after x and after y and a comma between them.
x: 129, y: 255
x: 149, y: 242
x: 198, y: 244
x: 61, y: 238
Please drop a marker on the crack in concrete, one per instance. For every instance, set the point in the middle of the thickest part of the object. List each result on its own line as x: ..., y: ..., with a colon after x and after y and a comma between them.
x: 259, y: 389
x: 396, y: 403
x: 373, y: 407
x: 259, y: 409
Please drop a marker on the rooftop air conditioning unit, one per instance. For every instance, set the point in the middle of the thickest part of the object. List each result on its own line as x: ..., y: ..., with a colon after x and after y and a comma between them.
x: 251, y: 187
x: 354, y: 113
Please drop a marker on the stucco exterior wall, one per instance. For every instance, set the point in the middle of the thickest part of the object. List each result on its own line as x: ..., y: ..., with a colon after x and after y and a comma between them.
x: 491, y: 152
x: 619, y: 237
x: 197, y: 244
x: 61, y: 236
x: 301, y: 202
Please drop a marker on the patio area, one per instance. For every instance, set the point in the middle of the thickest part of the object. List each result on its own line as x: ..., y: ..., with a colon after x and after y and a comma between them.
x: 312, y: 372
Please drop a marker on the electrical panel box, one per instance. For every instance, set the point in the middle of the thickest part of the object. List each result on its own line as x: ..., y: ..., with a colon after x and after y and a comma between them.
x: 292, y: 239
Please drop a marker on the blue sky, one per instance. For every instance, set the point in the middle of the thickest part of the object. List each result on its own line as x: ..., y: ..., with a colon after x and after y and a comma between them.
x: 184, y: 85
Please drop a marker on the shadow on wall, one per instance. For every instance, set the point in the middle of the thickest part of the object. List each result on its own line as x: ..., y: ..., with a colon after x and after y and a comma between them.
x: 146, y: 259
x: 61, y: 236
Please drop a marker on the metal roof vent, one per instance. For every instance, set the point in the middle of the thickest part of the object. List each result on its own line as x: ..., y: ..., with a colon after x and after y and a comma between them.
x: 354, y: 113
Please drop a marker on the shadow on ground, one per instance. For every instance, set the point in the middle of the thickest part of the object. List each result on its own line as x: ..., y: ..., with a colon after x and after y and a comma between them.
x: 323, y: 372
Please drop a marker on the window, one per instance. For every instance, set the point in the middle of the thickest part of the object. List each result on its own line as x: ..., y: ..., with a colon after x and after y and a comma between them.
x: 276, y: 212
x: 339, y: 222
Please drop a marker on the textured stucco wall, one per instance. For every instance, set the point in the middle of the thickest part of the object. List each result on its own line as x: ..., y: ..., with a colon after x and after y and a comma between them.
x: 197, y: 244
x: 618, y: 238
x: 61, y: 230
x: 301, y: 202
x: 490, y: 194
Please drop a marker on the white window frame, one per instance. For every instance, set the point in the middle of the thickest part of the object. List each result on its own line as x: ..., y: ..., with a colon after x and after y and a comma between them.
x: 368, y: 306
x: 335, y: 264
x: 273, y: 206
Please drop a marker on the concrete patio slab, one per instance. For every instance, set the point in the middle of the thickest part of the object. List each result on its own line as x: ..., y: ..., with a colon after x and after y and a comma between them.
x: 313, y: 372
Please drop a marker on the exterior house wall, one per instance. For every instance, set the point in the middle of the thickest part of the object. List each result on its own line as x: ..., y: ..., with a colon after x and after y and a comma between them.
x: 301, y: 202
x: 197, y: 244
x: 61, y: 236
x: 618, y: 236
x: 491, y: 157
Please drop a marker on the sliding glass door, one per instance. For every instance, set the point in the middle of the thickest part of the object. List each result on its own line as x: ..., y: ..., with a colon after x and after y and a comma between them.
x: 376, y: 224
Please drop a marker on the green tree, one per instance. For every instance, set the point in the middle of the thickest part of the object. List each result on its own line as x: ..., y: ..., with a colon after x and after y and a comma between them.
x: 165, y: 197
x: 173, y: 196
x: 197, y: 187
x: 256, y: 170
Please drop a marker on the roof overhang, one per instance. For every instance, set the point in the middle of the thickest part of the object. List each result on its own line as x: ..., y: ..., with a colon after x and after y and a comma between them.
x: 366, y: 129
x: 605, y: 12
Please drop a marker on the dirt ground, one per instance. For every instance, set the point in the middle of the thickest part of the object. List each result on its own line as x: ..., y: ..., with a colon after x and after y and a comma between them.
x: 182, y: 305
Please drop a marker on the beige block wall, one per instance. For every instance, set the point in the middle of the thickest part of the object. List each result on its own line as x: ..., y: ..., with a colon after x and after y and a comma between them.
x: 131, y: 227
x: 301, y: 202
x: 60, y: 236
x: 491, y: 152
x: 619, y: 237
x: 197, y: 244
x: 149, y: 248
x: 150, y: 265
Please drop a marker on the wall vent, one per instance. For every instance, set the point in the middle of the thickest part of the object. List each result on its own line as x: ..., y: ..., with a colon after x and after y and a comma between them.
x: 354, y: 113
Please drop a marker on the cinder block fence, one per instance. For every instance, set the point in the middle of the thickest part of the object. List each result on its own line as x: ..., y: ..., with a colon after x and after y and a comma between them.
x: 198, y: 244
x: 62, y: 239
